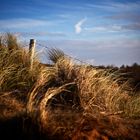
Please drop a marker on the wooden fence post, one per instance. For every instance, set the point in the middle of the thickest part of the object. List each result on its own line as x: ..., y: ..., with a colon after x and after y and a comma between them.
x: 32, y: 52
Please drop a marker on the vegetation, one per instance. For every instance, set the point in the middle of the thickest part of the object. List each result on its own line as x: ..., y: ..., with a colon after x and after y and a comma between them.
x: 63, y: 100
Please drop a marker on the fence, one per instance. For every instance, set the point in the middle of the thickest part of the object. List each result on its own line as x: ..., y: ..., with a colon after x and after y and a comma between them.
x: 32, y: 51
x: 32, y: 46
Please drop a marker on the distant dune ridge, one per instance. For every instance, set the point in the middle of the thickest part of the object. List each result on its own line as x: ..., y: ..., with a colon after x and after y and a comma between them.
x: 64, y: 100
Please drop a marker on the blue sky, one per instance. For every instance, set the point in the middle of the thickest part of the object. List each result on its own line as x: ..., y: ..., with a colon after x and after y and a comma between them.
x: 94, y: 31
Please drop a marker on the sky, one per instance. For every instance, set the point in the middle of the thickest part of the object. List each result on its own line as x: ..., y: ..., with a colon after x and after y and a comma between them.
x: 99, y: 32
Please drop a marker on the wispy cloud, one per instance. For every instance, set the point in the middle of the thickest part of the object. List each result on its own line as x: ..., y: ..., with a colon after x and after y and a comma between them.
x: 108, y: 28
x: 116, y: 6
x: 114, y: 28
x: 126, y: 5
x: 64, y: 16
x: 108, y: 51
x: 90, y: 45
x: 42, y: 34
x: 90, y: 61
x: 23, y: 23
x: 38, y: 35
x: 134, y: 17
x: 133, y: 27
x: 78, y: 26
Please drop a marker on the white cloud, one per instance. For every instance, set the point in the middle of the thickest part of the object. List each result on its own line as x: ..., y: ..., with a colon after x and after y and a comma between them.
x: 116, y: 6
x: 64, y: 16
x: 23, y: 23
x: 90, y: 61
x: 96, y: 29
x: 108, y: 28
x: 42, y: 34
x: 108, y: 51
x: 114, y: 28
x: 78, y: 28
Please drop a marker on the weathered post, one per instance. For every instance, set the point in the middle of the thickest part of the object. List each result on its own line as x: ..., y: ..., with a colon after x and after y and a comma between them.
x: 32, y: 52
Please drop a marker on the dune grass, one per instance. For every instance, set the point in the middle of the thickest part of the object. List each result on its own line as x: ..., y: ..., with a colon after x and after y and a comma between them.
x: 61, y: 98
x: 15, y: 71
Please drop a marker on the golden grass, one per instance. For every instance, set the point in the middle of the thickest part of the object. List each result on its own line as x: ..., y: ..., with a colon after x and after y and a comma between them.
x: 60, y: 98
x: 15, y: 67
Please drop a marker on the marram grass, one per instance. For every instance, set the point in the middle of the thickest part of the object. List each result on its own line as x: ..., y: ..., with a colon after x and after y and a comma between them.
x: 65, y: 100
